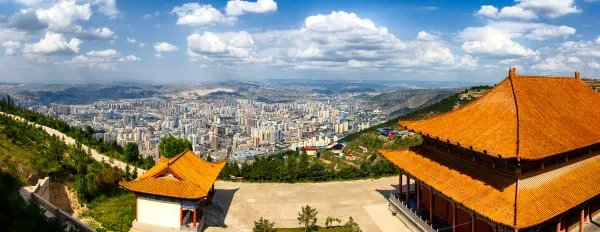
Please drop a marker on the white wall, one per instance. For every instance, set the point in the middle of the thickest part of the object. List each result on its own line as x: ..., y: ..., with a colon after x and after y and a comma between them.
x: 160, y: 213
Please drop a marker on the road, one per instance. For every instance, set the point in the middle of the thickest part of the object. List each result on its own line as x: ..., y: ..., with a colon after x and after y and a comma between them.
x: 364, y: 200
x: 70, y: 141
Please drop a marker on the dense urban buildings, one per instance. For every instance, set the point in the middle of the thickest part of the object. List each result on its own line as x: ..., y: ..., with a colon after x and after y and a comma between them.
x: 223, y: 127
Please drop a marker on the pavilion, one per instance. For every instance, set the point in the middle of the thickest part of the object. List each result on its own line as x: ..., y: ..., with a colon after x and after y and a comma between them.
x: 524, y: 156
x: 174, y: 192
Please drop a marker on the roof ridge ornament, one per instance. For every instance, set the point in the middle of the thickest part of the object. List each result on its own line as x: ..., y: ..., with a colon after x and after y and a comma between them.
x: 512, y: 72
x: 577, y: 75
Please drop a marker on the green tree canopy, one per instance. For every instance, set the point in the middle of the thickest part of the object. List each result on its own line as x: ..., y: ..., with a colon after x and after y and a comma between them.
x: 131, y: 153
x: 170, y: 146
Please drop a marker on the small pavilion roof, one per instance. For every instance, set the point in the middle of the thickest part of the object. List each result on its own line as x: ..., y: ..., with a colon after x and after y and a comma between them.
x: 184, y: 176
x: 539, y: 198
x: 526, y: 117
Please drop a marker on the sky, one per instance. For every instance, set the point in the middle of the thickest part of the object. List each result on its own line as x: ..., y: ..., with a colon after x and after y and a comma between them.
x: 189, y: 42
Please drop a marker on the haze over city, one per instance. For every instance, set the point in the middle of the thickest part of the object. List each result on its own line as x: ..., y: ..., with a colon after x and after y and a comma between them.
x: 100, y: 41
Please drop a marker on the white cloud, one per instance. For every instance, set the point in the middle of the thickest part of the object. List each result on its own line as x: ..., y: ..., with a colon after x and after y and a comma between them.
x: 424, y: 36
x: 557, y: 63
x: 516, y: 12
x: 428, y: 8
x: 141, y: 45
x: 194, y: 14
x: 598, y: 40
x: 509, y: 61
x: 10, y: 47
x: 220, y: 45
x: 91, y: 62
x: 593, y: 64
x: 496, y: 38
x: 130, y: 58
x: 580, y: 48
x: 107, y: 7
x: 165, y: 47
x: 62, y: 14
x: 7, y: 34
x: 573, y: 60
x: 487, y: 11
x: 550, y: 8
x: 158, y: 55
x: 239, y: 7
x: 130, y: 40
x: 53, y: 43
x: 148, y: 16
x: 105, y: 53
x: 530, y: 9
x: 96, y: 33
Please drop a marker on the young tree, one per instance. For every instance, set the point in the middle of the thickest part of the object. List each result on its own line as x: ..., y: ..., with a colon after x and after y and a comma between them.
x: 307, y: 217
x: 352, y: 226
x: 208, y: 158
x: 127, y: 173
x: 131, y: 152
x: 264, y: 225
x: 134, y: 174
x: 170, y: 146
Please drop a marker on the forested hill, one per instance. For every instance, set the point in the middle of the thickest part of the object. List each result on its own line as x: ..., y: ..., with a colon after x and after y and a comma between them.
x: 445, y: 105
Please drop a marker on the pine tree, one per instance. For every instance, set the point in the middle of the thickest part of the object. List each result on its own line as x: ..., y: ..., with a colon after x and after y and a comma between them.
x: 134, y: 174
x: 264, y: 225
x: 308, y: 217
x: 127, y: 173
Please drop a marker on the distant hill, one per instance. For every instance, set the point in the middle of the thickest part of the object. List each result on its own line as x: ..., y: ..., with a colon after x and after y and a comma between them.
x: 407, y: 100
x: 430, y: 109
x: 87, y: 95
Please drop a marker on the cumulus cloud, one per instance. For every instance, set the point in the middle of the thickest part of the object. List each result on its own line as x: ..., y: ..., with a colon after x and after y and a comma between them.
x: 91, y: 62
x: 239, y: 7
x: 130, y: 40
x: 530, y: 9
x: 104, y: 53
x: 496, y: 38
x: 220, y: 45
x: 165, y: 47
x: 130, y: 58
x: 27, y: 20
x: 107, y: 7
x: 194, y: 14
x: 558, y: 63
x: 141, y: 45
x: 10, y: 47
x: 148, y: 16
x: 7, y: 34
x: 593, y: 64
x: 53, y: 43
x: 63, y: 13
x: 580, y: 48
x: 95, y: 34
x: 424, y: 36
x: 598, y: 40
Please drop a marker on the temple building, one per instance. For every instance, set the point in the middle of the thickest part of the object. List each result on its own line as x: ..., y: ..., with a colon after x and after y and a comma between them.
x: 175, y: 193
x: 524, y: 156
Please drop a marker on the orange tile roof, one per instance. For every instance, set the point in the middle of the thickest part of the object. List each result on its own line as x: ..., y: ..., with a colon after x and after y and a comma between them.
x: 539, y: 197
x: 193, y: 177
x: 546, y: 115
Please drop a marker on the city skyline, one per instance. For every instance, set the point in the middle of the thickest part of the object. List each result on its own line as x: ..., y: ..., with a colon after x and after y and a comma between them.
x: 92, y: 41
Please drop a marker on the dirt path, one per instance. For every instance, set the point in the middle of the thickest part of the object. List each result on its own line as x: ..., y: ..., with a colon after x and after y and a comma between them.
x: 70, y: 141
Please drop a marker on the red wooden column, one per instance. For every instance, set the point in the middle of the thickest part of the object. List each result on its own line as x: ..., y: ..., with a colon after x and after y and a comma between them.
x: 418, y: 191
x: 558, y: 225
x: 588, y: 215
x: 400, y: 187
x: 582, y: 219
x: 473, y: 220
x: 431, y: 206
x: 407, y: 188
x: 194, y: 217
x: 136, y: 208
x: 180, y: 216
x: 453, y: 218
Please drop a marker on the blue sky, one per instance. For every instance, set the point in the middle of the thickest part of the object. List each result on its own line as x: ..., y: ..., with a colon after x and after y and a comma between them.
x: 99, y: 41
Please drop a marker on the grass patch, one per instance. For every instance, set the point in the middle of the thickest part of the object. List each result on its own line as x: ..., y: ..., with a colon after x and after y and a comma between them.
x: 115, y: 213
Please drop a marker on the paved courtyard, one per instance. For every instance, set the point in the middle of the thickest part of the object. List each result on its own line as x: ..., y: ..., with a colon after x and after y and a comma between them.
x: 364, y: 200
